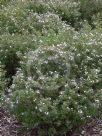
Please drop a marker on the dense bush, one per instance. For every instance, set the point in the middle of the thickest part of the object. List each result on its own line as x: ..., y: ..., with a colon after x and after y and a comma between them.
x: 51, y: 62
x: 3, y: 3
x: 10, y: 47
x: 58, y: 84
x: 13, y: 47
x: 89, y: 9
x: 2, y: 81
x: 27, y: 16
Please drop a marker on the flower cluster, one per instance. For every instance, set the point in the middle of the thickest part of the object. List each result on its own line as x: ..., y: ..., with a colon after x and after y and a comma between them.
x: 57, y: 83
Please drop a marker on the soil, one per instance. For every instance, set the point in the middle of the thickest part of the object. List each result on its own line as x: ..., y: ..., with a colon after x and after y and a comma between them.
x: 10, y: 127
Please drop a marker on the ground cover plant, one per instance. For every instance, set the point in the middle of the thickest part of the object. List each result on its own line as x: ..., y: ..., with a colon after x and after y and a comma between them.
x: 51, y: 63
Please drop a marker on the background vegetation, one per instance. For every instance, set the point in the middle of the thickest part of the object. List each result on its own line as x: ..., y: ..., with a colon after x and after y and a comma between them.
x: 51, y: 62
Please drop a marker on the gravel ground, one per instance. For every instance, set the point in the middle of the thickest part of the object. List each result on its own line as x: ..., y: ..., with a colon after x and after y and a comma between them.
x: 9, y: 127
x: 94, y: 128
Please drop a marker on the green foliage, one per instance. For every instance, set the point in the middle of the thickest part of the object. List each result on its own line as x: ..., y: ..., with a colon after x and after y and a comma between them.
x: 90, y: 9
x: 2, y: 81
x: 52, y: 53
x: 3, y: 3
x: 13, y: 47
x: 60, y: 84
x: 29, y: 16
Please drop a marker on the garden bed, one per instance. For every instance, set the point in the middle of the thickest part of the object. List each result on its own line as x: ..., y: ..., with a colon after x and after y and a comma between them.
x: 9, y: 127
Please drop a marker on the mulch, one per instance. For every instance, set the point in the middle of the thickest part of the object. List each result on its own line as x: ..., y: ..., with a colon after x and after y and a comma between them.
x: 10, y: 127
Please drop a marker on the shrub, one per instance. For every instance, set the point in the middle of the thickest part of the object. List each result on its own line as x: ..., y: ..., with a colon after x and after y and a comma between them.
x: 67, y: 10
x: 56, y: 83
x: 4, y: 3
x: 55, y: 72
x: 2, y: 81
x: 13, y: 47
x: 17, y: 17
x: 26, y: 16
x: 89, y: 9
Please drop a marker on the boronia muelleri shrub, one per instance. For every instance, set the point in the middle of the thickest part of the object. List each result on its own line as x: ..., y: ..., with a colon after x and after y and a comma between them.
x: 51, y: 62
x: 57, y: 84
x: 2, y: 81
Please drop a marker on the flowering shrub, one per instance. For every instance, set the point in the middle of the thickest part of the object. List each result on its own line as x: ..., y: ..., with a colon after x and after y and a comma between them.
x: 89, y: 9
x: 57, y: 84
x: 52, y: 53
x: 2, y: 81
x: 21, y: 19
x: 4, y: 3
x: 24, y: 16
x: 13, y: 47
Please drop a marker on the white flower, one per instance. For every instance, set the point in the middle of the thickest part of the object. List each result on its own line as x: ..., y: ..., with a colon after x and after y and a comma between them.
x: 80, y: 111
x: 46, y: 113
x: 97, y: 101
x: 29, y: 78
x: 13, y: 85
x: 38, y: 92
